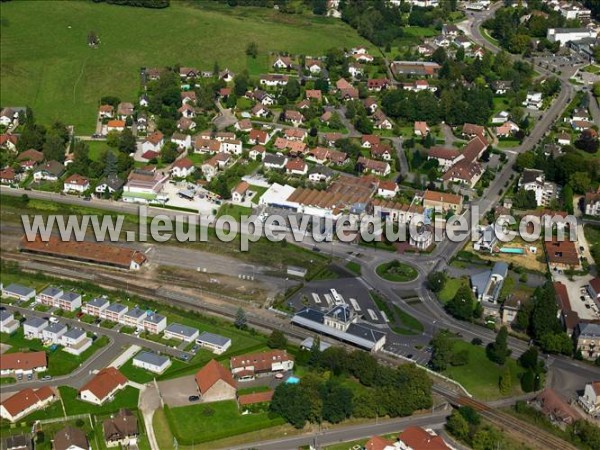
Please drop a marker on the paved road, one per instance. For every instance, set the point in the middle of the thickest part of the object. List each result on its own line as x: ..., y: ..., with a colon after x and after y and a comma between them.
x: 351, y: 433
x: 102, y: 358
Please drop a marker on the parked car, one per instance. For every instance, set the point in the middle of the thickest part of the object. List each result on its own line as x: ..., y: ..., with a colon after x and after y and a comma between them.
x: 193, y: 398
x: 46, y: 378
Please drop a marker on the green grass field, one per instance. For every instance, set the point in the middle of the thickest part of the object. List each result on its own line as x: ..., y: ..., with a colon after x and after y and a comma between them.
x: 212, y: 421
x: 127, y: 398
x: 450, y: 289
x: 62, y: 78
x: 97, y: 148
x: 480, y: 376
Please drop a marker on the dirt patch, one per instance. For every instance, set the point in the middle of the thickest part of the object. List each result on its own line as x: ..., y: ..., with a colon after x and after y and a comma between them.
x: 4, y: 348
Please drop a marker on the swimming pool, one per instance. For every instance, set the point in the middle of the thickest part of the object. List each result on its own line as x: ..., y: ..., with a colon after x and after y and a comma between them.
x: 293, y: 380
x: 517, y: 251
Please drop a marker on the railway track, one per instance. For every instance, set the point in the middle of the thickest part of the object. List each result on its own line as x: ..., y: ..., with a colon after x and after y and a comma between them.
x: 530, y: 433
x: 116, y: 280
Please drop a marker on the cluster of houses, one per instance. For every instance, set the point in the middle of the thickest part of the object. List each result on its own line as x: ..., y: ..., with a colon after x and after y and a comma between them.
x: 411, y: 438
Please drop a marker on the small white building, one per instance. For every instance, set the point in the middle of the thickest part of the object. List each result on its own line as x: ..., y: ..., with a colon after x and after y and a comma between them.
x: 215, y: 343
x: 76, y: 183
x: 134, y: 318
x: 8, y: 324
x: 181, y: 332
x: 76, y: 341
x: 53, y: 333
x: 151, y: 362
x: 33, y: 328
x: 95, y: 306
x: 18, y: 291
x: 155, y: 323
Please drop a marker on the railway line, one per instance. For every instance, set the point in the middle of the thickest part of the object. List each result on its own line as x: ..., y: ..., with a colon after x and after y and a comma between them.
x: 115, y: 280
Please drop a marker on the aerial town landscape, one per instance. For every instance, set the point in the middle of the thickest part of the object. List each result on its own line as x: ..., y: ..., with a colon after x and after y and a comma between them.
x: 136, y: 135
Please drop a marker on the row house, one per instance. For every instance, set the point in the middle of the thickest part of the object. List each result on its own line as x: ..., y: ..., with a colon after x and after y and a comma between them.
x: 95, y: 307
x: 154, y: 323
x: 114, y: 312
x: 380, y: 168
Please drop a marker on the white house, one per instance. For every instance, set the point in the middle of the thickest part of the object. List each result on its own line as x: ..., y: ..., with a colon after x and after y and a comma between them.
x: 8, y: 324
x: 134, y: 318
x: 564, y: 35
x: 500, y: 118
x: 181, y: 332
x: 238, y: 195
x: 33, y: 328
x: 231, y: 146
x: 183, y: 141
x: 154, y: 142
x: 590, y: 400
x: 387, y: 189
x: 103, y: 386
x: 25, y: 402
x: 533, y: 100
x: 18, y: 291
x: 53, y: 332
x: 95, y: 307
x: 535, y: 180
x: 76, y: 183
x: 151, y: 362
x: 183, y: 167
x: 215, y: 343
x: 155, y: 323
x: 76, y: 341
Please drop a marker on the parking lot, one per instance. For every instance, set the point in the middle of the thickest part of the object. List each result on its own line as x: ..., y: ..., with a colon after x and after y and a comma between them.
x: 198, y: 201
x: 319, y: 295
x: 176, y: 392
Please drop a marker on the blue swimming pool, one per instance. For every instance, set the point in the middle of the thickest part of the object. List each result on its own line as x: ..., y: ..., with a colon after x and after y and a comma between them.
x: 293, y: 380
x: 517, y: 251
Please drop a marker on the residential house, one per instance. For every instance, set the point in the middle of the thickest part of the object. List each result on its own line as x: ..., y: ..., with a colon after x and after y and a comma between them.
x: 25, y: 402
x: 262, y: 97
x: 443, y: 201
x: 183, y: 141
x: 33, y: 327
x: 106, y: 112
x: 246, y: 367
x: 261, y: 111
x: 49, y: 296
x: 387, y: 189
x: 273, y: 80
x: 187, y: 111
x: 213, y: 342
x: 8, y: 176
x: 188, y: 72
x: 450, y: 30
x: 463, y: 42
x: 9, y: 141
x: 296, y: 166
x: 258, y: 137
x: 188, y: 97
x: 53, y: 333
x: 593, y: 288
x: 590, y: 400
x: 238, y: 195
x: 121, y: 429
x: 500, y: 118
x: 472, y: 131
x: 23, y: 362
x: 355, y: 70
x: 215, y: 383
x: 421, y: 129
x: 202, y: 145
x: 314, y: 94
x: 535, y: 180
x: 105, y: 384
x: 125, y: 110
x: 50, y: 171
x: 369, y: 140
x: 211, y: 167
x: 183, y: 167
x: 314, y: 66
x: 151, y: 362
x: 561, y: 254
x: 507, y: 129
x: 18, y: 291
x: 283, y: 63
x: 382, y: 151
x: 8, y: 324
x: 185, y: 124
x: 76, y: 183
x: 568, y: 318
x: 109, y: 184
x: 377, y: 84
x: 563, y: 139
x: 17, y: 442
x: 446, y: 157
x: 442, y: 41
x: 295, y: 117
x: 232, y: 146
x: 114, y: 312
x: 154, y: 142
x: 380, y: 168
x: 31, y: 155
x: 256, y: 152
x: 181, y: 332
x: 319, y: 173
x: 70, y: 438
x: 75, y: 341
x: 134, y: 318
x: 69, y: 301
x: 501, y: 87
x: 271, y: 161
x: 553, y: 406
x: 533, y: 100
x: 144, y: 101
x: 154, y: 323
x: 488, y: 284
x: 244, y: 125
x: 370, y: 104
x: 96, y: 306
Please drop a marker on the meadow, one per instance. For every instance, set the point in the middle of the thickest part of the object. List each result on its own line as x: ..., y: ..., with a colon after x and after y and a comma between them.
x: 46, y: 63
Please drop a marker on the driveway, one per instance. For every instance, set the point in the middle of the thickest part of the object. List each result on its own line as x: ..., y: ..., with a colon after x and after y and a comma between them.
x: 176, y: 392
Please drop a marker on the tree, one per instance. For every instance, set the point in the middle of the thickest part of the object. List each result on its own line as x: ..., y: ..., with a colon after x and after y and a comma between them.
x: 241, y: 84
x: 557, y: 343
x: 529, y: 358
x: 581, y: 182
x: 528, y: 381
x: 54, y: 149
x: 277, y: 340
x: 441, y: 351
x: 460, y: 54
x: 112, y: 139
x: 498, y: 351
x: 439, y: 56
x: 292, y: 89
x: 567, y: 198
x: 169, y: 152
x: 291, y: 401
x: 461, y: 305
x: 252, y: 49
x: 457, y: 426
x: 363, y: 124
x: 315, y: 352
x: 337, y: 402
x: 240, y: 319
x: 486, y: 438
x: 126, y: 142
x: 505, y: 382
x: 436, y: 281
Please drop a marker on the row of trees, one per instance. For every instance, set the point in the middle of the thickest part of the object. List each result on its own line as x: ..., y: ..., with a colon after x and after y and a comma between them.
x: 322, y: 395
x: 52, y: 141
x: 139, y: 3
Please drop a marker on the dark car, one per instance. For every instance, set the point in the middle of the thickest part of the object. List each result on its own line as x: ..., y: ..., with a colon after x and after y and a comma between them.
x: 316, y: 249
x: 409, y: 356
x: 193, y: 398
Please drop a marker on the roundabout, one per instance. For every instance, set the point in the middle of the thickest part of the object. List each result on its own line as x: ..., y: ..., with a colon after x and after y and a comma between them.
x: 397, y: 272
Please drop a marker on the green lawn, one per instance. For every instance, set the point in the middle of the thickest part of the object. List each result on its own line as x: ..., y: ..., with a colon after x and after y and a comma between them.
x: 127, y: 398
x: 450, y: 289
x: 508, y: 143
x: 236, y: 211
x: 481, y: 376
x: 62, y: 78
x: 59, y: 362
x: 592, y: 68
x: 420, y: 31
x: 212, y: 421
x: 97, y: 148
x: 354, y: 267
x: 259, y: 191
x: 396, y: 271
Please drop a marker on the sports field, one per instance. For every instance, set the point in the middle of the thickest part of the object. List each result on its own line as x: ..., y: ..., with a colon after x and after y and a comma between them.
x: 46, y: 63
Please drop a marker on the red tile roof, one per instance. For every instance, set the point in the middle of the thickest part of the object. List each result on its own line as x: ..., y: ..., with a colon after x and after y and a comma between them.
x: 378, y: 443
x: 116, y: 124
x: 23, y: 361
x: 77, y: 179
x: 256, y: 397
x: 242, y: 187
x: 105, y: 382
x: 445, y: 197
x: 155, y: 138
x: 371, y: 138
x: 210, y: 374
x: 561, y: 252
x: 26, y: 398
x: 261, y: 361
x: 418, y: 438
x: 184, y: 163
x: 32, y: 155
x: 443, y: 153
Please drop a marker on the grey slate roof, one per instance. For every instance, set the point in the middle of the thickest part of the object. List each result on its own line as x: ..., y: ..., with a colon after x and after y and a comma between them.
x: 51, y: 291
x: 70, y: 297
x: 74, y: 333
x: 56, y: 327
x: 589, y: 330
x: 183, y: 330
x: 98, y: 302
x: 4, y: 315
x: 214, y: 339
x: 19, y: 289
x: 151, y: 358
x: 135, y: 313
x: 34, y: 322
x: 117, y: 308
x: 154, y: 318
